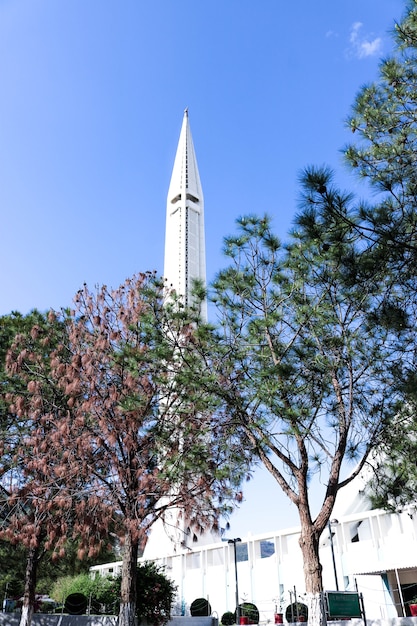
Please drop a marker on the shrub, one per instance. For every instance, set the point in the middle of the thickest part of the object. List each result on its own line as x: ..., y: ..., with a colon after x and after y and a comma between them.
x: 296, y: 608
x: 66, y: 585
x: 228, y: 618
x: 155, y: 593
x: 76, y: 604
x: 102, y: 591
x: 200, y: 607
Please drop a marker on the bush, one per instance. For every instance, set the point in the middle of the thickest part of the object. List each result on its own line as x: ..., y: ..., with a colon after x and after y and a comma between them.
x: 155, y: 594
x: 103, y: 591
x: 294, y: 609
x: 228, y: 618
x: 200, y: 608
x: 67, y: 585
x: 76, y: 604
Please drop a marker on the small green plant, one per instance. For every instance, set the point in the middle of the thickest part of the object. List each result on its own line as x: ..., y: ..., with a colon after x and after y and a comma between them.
x: 228, y: 618
x: 200, y: 608
x: 295, y: 611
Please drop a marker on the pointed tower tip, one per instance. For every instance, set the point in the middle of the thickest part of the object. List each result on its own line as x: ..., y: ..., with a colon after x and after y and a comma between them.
x: 185, y: 178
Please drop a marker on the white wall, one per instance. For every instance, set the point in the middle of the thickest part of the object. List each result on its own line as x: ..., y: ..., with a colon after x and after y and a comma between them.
x: 365, y: 545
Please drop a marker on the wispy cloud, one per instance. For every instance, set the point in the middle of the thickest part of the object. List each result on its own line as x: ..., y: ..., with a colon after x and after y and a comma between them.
x: 363, y: 45
x: 331, y: 34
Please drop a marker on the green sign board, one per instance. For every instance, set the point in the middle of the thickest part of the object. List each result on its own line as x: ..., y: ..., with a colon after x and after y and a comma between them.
x: 343, y: 604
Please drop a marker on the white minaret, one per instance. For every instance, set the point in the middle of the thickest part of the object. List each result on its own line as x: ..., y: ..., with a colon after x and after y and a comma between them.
x: 185, y: 251
x: 185, y: 260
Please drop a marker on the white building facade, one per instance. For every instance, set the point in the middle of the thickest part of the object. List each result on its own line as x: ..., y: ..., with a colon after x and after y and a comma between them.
x: 374, y: 552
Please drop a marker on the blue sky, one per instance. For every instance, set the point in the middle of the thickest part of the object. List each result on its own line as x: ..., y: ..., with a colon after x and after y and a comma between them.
x: 92, y: 98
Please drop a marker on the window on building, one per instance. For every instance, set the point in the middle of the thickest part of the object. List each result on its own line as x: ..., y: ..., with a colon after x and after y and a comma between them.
x: 194, y: 560
x: 241, y: 552
x: 267, y: 548
x: 215, y: 557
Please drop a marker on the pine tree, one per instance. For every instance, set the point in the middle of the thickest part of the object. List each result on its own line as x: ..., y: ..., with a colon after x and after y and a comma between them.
x: 384, y: 120
x: 384, y: 151
x: 305, y: 379
x: 30, y: 499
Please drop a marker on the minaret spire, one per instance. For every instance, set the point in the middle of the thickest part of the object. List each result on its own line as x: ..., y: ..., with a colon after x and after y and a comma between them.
x: 185, y: 261
x: 185, y: 254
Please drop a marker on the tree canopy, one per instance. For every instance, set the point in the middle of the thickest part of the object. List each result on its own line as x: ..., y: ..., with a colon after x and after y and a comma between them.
x: 383, y: 153
x: 116, y: 430
x: 31, y: 508
x: 304, y: 372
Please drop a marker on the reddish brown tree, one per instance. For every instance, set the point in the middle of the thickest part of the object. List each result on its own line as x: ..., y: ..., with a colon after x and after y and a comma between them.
x: 133, y: 431
x: 38, y: 499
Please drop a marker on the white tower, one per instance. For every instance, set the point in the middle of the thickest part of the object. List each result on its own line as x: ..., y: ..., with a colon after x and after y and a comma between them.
x: 185, y: 252
x: 185, y: 261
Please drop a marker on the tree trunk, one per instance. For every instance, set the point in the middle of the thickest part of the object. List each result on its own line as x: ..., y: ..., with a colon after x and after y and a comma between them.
x: 30, y: 586
x: 309, y: 544
x: 127, y: 613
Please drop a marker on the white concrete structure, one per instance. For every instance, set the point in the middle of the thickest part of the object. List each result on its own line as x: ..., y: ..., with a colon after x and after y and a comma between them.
x: 185, y: 261
x: 374, y: 551
x: 185, y: 253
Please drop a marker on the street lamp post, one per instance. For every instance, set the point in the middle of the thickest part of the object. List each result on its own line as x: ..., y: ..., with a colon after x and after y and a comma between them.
x: 234, y: 542
x: 329, y: 526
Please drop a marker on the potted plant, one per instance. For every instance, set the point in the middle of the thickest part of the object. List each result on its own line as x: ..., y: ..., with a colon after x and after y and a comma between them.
x: 248, y: 613
x: 413, y: 606
x: 296, y: 612
x: 200, y: 607
x: 228, y: 618
x: 279, y: 614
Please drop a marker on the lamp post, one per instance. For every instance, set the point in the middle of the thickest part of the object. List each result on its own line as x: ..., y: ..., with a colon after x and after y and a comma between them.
x: 234, y: 542
x: 329, y: 526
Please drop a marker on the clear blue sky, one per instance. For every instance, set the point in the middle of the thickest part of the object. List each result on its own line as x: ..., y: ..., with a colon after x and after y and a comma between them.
x: 92, y: 98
